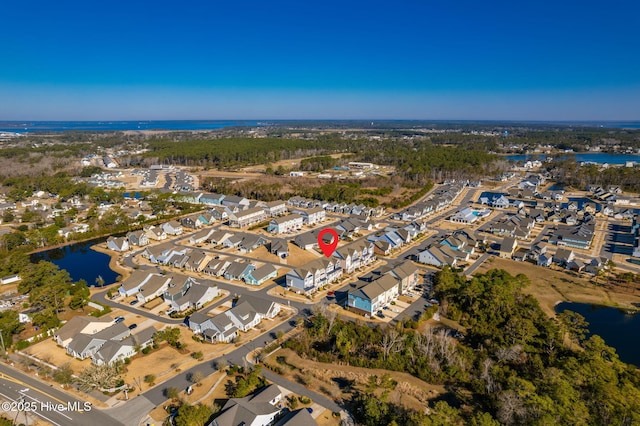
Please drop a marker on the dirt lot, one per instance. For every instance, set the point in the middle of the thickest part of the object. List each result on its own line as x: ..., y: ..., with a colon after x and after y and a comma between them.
x: 551, y: 287
x: 298, y: 257
x: 410, y: 391
x: 49, y: 352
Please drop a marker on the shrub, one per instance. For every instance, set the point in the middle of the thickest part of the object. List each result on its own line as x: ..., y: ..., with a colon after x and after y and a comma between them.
x: 22, y: 344
x: 293, y: 402
x: 304, y: 400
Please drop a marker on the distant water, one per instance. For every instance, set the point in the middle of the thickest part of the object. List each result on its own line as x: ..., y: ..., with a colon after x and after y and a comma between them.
x: 593, y: 157
x: 623, y: 125
x: 618, y: 329
x: 106, y: 126
x: 112, y: 126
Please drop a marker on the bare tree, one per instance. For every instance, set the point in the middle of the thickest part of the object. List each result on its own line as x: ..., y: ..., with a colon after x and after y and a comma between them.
x: 196, y: 377
x: 511, y: 408
x: 391, y: 341
x: 103, y: 376
x: 489, y: 382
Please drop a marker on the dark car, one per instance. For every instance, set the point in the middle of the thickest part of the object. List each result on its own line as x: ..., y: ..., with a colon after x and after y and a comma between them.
x: 133, y: 302
x: 132, y: 326
x: 118, y: 320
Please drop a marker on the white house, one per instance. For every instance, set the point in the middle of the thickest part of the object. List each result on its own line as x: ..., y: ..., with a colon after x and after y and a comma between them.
x: 119, y: 244
x: 172, y: 228
x: 247, y: 217
x: 355, y: 255
x: 285, y: 224
x: 155, y: 233
x: 312, y: 216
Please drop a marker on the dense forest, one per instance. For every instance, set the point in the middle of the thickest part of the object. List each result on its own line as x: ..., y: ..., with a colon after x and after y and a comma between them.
x: 513, y: 365
x: 419, y: 150
x: 417, y: 161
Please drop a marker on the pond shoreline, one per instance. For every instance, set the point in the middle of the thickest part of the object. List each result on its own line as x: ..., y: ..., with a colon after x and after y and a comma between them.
x: 114, y: 263
x: 615, y: 325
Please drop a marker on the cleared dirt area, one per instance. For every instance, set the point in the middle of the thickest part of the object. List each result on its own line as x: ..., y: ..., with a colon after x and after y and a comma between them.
x: 49, y: 352
x: 409, y: 391
x: 550, y: 287
x: 298, y: 256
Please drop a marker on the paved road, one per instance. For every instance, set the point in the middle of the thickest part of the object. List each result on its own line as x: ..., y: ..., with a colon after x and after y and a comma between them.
x: 156, y: 395
x: 238, y: 357
x: 471, y: 269
x: 44, y: 401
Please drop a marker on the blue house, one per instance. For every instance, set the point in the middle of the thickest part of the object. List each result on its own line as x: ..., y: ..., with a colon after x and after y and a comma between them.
x: 211, y: 199
x: 260, y: 275
x: 368, y: 298
x: 238, y: 270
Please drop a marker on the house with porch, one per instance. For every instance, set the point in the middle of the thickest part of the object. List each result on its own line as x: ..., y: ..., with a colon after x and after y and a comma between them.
x: 355, y: 255
x: 313, y: 275
x: 153, y: 287
x: 234, y: 201
x: 137, y: 238
x: 285, y: 224
x: 247, y: 217
x: 85, y: 345
x: 192, y: 222
x: 369, y: 297
x: 118, y: 350
x: 237, y: 270
x: 275, y: 208
x: 155, y: 233
x: 119, y: 244
x: 189, y: 294
x: 80, y: 325
x: 172, y: 227
x: 311, y: 216
x: 259, y: 275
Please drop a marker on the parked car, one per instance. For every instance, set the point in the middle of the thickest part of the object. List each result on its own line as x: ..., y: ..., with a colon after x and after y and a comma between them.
x: 118, y: 320
x: 134, y: 302
x: 132, y: 326
x: 380, y: 314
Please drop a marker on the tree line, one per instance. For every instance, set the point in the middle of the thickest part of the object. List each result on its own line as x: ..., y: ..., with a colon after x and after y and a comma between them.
x: 514, y: 365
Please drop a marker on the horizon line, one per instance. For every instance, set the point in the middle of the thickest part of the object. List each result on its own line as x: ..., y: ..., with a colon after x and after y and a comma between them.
x: 327, y: 120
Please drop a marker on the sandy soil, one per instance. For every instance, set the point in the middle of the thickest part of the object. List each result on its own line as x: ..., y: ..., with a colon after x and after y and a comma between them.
x: 298, y: 257
x: 411, y: 392
x: 48, y: 351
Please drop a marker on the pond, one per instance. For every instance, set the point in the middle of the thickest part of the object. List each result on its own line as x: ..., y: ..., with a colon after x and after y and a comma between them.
x: 618, y: 329
x: 80, y: 261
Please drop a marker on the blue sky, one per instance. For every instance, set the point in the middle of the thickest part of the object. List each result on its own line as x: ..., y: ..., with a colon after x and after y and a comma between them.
x: 412, y: 59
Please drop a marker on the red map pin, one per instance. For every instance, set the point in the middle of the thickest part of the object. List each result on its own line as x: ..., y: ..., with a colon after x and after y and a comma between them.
x: 328, y: 248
